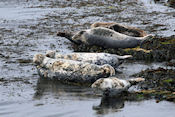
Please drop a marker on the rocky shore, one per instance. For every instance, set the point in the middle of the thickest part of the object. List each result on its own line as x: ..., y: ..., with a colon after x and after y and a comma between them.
x: 159, y: 83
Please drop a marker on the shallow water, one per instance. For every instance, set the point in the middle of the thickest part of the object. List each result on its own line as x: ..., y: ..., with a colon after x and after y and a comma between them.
x: 28, y: 27
x: 54, y: 99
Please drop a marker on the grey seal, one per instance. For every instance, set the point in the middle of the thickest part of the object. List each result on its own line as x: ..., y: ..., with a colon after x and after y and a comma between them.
x: 94, y: 58
x: 107, y: 38
x: 69, y: 70
x: 113, y: 86
x: 124, y: 29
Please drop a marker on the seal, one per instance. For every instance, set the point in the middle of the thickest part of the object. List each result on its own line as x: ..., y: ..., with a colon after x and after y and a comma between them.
x: 113, y: 86
x: 127, y: 30
x: 71, y: 71
x: 107, y: 38
x: 94, y: 58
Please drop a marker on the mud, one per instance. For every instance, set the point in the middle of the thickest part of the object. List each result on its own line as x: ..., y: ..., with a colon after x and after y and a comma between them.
x: 28, y: 27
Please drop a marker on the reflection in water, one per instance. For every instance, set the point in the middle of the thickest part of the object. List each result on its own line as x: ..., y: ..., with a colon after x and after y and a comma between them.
x: 109, y: 105
x: 62, y: 91
x: 58, y: 89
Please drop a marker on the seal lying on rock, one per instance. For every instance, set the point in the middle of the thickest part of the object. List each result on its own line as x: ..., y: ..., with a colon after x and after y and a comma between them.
x: 107, y: 38
x: 94, y: 58
x: 127, y: 30
x: 113, y: 86
x: 69, y: 70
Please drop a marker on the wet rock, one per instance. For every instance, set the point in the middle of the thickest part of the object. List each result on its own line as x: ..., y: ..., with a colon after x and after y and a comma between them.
x: 158, y: 79
x: 24, y: 61
x: 159, y: 83
x: 171, y: 63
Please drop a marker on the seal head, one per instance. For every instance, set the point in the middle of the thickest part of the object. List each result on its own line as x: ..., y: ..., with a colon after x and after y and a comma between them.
x: 38, y: 59
x: 78, y: 37
x: 50, y: 53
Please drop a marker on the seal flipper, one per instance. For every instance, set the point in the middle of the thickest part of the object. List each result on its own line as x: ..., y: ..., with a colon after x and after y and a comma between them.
x: 150, y: 36
x: 124, y: 57
x: 135, y: 80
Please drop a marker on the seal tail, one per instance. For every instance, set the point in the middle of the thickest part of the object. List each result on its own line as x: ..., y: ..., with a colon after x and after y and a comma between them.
x: 124, y: 57
x: 135, y: 81
x: 150, y: 36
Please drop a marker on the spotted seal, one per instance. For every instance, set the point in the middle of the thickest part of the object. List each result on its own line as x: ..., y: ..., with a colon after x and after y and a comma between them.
x: 94, y: 58
x: 113, y: 86
x: 107, y: 38
x: 69, y: 70
x: 127, y: 30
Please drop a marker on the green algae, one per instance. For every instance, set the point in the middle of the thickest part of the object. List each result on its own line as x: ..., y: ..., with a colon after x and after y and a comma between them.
x: 168, y: 80
x: 151, y: 94
x: 159, y: 84
x: 136, y: 49
x: 171, y: 41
